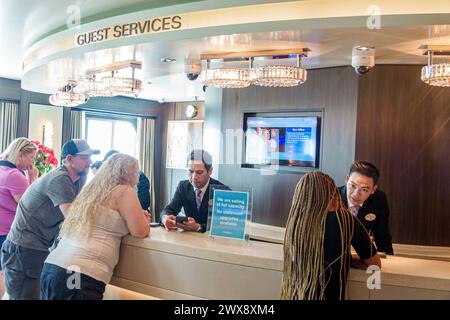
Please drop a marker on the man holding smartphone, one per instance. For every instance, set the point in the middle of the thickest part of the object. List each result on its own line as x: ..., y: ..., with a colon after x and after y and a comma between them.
x: 192, y: 195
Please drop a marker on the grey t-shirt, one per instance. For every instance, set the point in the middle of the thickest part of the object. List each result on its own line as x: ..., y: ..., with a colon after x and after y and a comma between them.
x: 38, y: 216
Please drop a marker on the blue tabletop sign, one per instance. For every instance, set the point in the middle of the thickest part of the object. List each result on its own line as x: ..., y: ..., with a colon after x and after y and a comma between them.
x: 229, y: 214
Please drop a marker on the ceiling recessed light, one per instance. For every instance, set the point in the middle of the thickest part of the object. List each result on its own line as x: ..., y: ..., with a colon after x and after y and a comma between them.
x: 168, y: 60
x: 363, y: 48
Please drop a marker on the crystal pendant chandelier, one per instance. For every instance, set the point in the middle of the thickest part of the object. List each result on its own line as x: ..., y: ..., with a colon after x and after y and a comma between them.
x: 226, y: 77
x: 122, y: 85
x: 122, y: 80
x: 66, y: 97
x: 436, y: 74
x: 279, y: 75
x: 94, y: 88
x: 267, y: 75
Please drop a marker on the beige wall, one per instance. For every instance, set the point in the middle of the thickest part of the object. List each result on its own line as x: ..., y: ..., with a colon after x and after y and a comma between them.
x: 50, y: 117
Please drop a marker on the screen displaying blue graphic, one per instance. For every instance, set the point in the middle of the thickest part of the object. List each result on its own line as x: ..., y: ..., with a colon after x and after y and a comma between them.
x: 282, y: 140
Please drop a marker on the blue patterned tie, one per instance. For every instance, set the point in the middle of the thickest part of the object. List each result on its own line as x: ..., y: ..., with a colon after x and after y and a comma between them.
x: 198, y: 197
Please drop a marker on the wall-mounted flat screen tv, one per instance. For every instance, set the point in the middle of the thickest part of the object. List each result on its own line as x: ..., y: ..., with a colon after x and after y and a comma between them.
x: 290, y: 140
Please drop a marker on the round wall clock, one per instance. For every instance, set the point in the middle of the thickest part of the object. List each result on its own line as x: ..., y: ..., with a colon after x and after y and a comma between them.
x: 191, y: 111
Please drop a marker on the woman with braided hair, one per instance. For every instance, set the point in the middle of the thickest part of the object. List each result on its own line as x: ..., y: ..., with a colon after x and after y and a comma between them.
x: 319, y: 235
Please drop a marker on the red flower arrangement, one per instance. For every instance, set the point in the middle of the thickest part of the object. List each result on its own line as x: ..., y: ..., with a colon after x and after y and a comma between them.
x: 45, y: 158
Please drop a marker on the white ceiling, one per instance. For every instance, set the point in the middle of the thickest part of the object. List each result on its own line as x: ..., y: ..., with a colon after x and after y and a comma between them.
x: 19, y: 25
x: 21, y: 21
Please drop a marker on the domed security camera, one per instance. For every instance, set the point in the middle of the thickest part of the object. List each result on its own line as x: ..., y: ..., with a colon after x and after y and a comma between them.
x: 192, y: 69
x: 363, y: 59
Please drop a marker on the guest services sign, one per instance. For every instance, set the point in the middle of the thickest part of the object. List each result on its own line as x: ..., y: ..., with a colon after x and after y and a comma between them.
x: 149, y: 26
x: 192, y: 21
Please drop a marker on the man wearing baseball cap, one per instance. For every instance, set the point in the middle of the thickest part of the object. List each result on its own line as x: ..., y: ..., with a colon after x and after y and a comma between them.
x: 39, y: 213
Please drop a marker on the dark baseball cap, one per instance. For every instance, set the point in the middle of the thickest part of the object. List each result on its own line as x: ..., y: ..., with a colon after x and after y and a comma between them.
x: 77, y: 147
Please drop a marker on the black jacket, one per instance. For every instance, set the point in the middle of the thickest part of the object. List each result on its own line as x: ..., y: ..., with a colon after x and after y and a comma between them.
x: 143, y: 191
x: 185, y: 197
x: 377, y: 205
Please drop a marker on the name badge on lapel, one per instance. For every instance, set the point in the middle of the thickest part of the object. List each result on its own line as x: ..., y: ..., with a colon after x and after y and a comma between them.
x: 370, y: 217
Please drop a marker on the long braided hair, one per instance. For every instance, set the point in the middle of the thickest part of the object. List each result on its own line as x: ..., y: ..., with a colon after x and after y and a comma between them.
x: 304, y: 275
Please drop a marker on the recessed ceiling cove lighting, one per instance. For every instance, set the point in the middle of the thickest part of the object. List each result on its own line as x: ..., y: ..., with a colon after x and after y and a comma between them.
x: 168, y: 60
x: 363, y: 48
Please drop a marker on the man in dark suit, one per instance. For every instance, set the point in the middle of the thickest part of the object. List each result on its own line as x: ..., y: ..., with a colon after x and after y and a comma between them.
x: 192, y: 195
x: 368, y: 203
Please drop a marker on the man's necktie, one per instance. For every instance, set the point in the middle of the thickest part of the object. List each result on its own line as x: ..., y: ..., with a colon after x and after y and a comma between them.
x: 198, y: 197
x: 355, y: 210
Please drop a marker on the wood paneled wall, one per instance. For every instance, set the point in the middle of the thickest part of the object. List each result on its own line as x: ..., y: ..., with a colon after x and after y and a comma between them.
x: 403, y: 126
x: 333, y: 90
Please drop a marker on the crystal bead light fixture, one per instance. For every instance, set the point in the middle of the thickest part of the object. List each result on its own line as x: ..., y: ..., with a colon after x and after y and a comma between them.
x: 436, y: 74
x: 94, y: 88
x: 66, y: 97
x: 122, y: 85
x: 121, y: 81
x: 282, y: 74
x: 227, y: 77
x: 97, y: 89
x: 279, y: 76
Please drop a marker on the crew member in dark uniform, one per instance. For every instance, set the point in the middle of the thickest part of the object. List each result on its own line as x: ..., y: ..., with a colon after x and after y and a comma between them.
x: 368, y: 203
x: 192, y: 195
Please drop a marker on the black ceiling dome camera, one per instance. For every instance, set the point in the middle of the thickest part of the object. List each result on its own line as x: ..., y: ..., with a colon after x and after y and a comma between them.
x: 192, y: 69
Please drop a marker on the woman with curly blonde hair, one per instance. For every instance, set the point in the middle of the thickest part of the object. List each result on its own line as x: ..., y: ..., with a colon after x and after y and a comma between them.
x: 319, y: 234
x: 105, y: 210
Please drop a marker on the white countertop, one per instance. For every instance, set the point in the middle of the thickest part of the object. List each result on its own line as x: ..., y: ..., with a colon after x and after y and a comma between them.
x: 400, y: 271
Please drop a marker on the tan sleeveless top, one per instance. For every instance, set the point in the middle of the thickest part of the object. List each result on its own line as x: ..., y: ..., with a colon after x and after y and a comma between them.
x: 97, y: 255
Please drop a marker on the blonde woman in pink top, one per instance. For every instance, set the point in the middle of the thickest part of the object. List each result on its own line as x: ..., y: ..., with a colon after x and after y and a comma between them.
x: 17, y: 172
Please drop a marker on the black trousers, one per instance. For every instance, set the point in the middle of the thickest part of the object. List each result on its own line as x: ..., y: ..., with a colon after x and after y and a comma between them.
x: 61, y: 284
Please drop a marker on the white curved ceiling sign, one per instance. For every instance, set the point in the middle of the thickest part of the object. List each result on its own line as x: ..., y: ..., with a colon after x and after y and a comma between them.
x: 329, y: 28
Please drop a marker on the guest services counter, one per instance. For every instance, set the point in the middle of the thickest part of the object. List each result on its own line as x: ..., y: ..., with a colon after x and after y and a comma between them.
x: 189, y: 265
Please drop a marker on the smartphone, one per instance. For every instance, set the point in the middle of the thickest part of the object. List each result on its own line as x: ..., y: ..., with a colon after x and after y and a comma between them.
x: 154, y: 224
x: 181, y: 219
